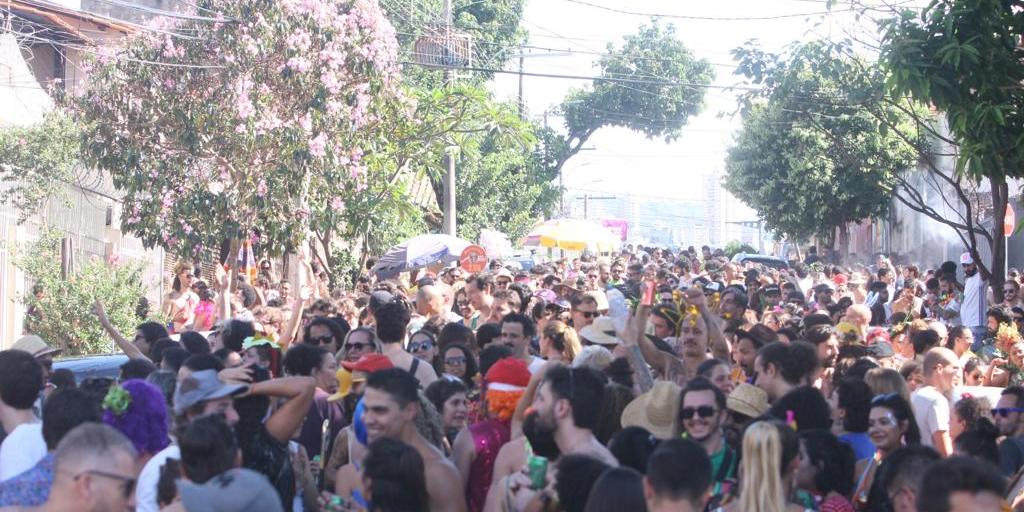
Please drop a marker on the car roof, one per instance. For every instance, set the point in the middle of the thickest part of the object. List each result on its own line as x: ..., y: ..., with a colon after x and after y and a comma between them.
x: 108, y: 365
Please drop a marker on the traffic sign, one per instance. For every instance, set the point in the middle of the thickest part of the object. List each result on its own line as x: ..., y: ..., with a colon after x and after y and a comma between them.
x: 473, y: 259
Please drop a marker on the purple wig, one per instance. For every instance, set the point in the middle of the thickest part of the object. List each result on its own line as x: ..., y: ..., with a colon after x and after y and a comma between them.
x: 145, y: 419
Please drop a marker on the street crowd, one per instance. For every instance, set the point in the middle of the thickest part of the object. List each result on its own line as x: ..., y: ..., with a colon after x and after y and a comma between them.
x: 650, y: 379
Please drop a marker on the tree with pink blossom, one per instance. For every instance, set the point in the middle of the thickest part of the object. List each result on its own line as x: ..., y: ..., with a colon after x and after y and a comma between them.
x: 250, y: 119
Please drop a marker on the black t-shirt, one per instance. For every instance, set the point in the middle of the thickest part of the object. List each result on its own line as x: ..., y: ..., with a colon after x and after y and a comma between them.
x: 266, y: 455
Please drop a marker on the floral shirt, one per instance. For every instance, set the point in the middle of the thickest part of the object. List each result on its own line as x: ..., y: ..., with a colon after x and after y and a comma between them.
x: 30, y: 488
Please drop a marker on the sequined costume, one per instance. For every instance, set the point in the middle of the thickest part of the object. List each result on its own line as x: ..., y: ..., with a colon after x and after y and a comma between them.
x: 488, y: 438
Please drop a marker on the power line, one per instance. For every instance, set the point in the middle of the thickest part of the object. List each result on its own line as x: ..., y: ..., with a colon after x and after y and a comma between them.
x: 705, y: 18
x: 582, y: 77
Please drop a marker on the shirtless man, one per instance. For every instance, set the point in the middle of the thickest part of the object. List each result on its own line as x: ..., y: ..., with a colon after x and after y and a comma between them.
x: 391, y: 407
x: 696, y: 332
x: 392, y: 320
x: 566, y: 408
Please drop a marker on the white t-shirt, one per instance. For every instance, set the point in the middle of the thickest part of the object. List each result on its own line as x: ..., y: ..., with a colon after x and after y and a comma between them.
x: 931, y: 410
x: 21, y: 450
x: 972, y: 310
x: 536, y: 364
x: 145, y: 490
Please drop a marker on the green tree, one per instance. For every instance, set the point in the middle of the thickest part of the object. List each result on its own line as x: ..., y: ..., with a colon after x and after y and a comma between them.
x: 653, y: 84
x: 35, y: 160
x: 809, y: 159
x: 964, y: 58
x: 494, y: 27
x: 64, y: 308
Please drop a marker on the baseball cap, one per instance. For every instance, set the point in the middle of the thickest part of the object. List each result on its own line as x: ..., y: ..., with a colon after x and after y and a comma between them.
x: 235, y: 490
x: 771, y: 289
x: 966, y: 259
x: 368, y: 363
x: 202, y: 386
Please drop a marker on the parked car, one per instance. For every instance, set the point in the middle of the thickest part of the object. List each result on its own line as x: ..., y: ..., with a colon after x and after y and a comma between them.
x: 108, y: 365
x: 768, y: 261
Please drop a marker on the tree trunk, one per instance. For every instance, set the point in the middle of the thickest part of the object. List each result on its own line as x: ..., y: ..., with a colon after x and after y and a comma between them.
x: 997, y: 269
x: 843, y: 245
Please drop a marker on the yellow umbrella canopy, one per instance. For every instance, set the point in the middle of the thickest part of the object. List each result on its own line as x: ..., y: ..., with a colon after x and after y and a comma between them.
x: 571, y: 235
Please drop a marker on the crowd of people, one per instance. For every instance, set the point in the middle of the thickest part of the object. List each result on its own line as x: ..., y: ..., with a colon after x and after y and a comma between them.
x: 648, y: 380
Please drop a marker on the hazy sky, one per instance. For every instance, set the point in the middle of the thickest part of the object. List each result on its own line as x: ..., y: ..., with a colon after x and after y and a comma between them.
x: 623, y: 161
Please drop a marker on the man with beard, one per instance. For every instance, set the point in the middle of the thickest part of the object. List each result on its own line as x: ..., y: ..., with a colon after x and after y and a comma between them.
x: 972, y: 307
x: 391, y: 407
x: 823, y: 297
x: 702, y: 412
x: 698, y: 329
x: 823, y: 337
x: 516, y: 332
x: 734, y: 304
x: 748, y: 342
x: 568, y: 404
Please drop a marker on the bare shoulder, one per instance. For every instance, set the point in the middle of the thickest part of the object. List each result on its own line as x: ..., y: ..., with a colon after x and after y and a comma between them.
x: 511, y: 457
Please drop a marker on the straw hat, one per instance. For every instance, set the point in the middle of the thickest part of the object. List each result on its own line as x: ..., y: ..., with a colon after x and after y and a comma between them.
x: 655, y: 410
x: 34, y: 345
x: 748, y: 400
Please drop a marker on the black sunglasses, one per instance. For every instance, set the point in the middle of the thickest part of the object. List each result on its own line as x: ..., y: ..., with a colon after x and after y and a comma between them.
x: 704, y: 411
x: 127, y: 482
x: 357, y: 346
x: 322, y: 340
x: 589, y: 314
x: 1005, y: 411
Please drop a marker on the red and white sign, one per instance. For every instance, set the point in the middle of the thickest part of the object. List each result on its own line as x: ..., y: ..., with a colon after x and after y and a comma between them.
x: 473, y: 259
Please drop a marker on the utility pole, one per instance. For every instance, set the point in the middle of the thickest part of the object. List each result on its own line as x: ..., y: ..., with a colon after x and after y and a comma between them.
x: 449, y: 159
x: 586, y: 202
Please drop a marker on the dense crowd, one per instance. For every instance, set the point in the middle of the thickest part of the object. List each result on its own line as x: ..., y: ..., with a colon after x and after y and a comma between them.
x: 646, y: 380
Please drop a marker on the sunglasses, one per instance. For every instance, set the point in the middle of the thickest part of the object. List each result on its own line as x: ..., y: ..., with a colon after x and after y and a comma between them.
x: 455, y: 361
x: 357, y: 346
x: 423, y: 345
x: 589, y: 314
x: 127, y: 482
x: 322, y: 340
x: 1005, y: 411
x: 704, y: 411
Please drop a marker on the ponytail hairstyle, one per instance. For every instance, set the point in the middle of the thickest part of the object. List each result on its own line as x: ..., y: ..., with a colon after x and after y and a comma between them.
x: 769, y: 448
x: 563, y: 339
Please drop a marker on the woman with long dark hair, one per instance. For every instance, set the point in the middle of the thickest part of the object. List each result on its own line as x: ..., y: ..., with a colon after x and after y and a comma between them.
x: 393, y: 477
x: 891, y: 425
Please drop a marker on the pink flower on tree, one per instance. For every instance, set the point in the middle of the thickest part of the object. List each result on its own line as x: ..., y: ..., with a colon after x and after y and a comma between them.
x: 318, y: 145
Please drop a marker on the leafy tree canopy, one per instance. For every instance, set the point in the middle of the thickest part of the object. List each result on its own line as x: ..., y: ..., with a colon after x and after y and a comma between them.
x: 809, y: 159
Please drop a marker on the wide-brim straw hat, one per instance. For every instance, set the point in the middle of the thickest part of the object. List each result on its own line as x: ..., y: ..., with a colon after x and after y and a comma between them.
x: 656, y: 410
x: 748, y: 400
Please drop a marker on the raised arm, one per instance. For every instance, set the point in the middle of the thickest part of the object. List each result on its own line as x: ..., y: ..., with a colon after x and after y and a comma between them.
x: 126, y: 346
x: 720, y: 348
x: 287, y: 419
x: 223, y: 286
x: 640, y: 350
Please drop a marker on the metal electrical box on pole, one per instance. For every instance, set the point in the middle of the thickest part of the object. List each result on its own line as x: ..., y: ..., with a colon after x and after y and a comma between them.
x: 449, y: 51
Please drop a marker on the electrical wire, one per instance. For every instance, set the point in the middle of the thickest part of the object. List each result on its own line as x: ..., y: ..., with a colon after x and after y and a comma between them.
x: 706, y: 18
